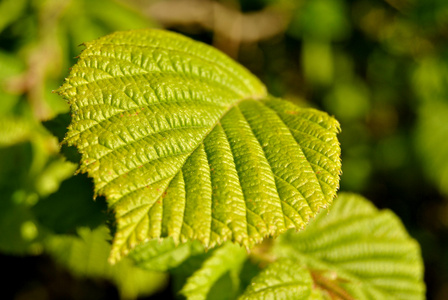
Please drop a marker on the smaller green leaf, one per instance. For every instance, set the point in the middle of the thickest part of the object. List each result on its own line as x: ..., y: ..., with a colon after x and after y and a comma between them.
x: 283, y: 279
x: 163, y: 255
x: 57, y: 169
x: 228, y: 258
x: 86, y: 256
x: 42, y: 168
x: 13, y: 131
x: 358, y: 252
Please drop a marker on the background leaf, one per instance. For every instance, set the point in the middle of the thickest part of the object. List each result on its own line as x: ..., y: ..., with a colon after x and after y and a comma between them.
x: 283, y: 279
x: 227, y: 259
x: 86, y: 256
x: 430, y: 80
x: 163, y: 255
x: 185, y: 143
x: 30, y: 169
x: 357, y: 249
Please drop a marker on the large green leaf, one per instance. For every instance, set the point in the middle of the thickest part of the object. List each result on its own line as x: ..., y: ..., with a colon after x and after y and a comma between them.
x: 185, y: 143
x: 357, y: 252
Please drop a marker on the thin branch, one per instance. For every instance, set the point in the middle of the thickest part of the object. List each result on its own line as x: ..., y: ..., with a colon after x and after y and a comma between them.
x: 230, y: 26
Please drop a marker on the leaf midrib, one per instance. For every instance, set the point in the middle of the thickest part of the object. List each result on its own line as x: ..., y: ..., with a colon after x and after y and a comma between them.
x: 234, y: 105
x: 186, y: 159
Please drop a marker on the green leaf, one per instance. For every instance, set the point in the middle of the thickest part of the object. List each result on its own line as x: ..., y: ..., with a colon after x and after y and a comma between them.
x: 358, y: 252
x: 283, y: 279
x: 86, y: 256
x: 14, y: 130
x: 228, y: 258
x: 185, y: 143
x: 163, y: 255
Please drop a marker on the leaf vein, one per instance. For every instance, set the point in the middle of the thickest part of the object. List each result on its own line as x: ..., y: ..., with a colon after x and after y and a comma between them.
x: 150, y: 135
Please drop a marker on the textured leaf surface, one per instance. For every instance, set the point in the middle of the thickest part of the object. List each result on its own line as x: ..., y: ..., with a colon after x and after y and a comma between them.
x: 228, y: 258
x: 185, y: 143
x: 283, y: 279
x: 359, y: 250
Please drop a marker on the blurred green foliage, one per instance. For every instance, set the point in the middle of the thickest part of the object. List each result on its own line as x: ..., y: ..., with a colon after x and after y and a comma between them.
x: 87, y: 255
x: 379, y: 66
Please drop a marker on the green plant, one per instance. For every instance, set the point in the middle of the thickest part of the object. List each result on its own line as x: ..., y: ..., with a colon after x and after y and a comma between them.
x: 191, y: 153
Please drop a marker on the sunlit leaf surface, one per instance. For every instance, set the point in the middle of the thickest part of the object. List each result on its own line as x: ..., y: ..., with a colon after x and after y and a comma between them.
x: 185, y: 143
